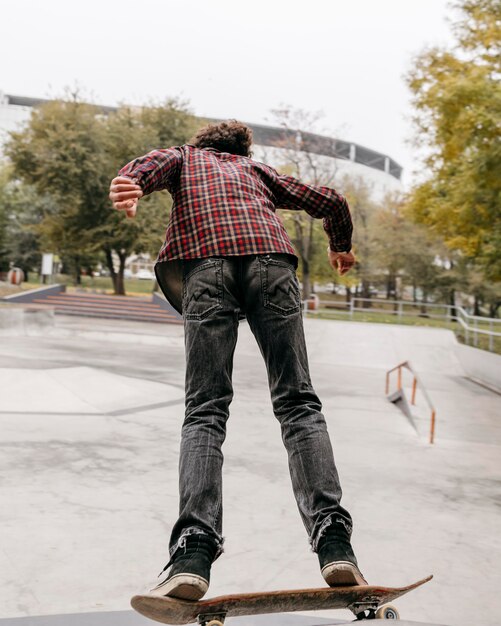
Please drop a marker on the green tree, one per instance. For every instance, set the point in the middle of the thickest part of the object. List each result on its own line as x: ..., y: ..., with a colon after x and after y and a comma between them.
x: 60, y: 153
x: 360, y: 196
x: 457, y: 98
x: 405, y: 252
x: 70, y: 151
x: 21, y: 212
x: 4, y: 220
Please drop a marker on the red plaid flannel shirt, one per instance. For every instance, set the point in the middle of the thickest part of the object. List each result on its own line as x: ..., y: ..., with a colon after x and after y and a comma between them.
x: 224, y: 204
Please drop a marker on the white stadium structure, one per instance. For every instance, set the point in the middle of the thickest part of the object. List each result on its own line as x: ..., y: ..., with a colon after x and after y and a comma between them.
x: 378, y: 170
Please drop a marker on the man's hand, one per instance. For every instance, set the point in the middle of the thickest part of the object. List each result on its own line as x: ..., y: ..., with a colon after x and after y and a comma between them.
x: 341, y: 261
x: 124, y: 193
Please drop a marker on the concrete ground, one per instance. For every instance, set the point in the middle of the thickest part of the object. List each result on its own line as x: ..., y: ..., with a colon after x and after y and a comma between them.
x: 91, y: 415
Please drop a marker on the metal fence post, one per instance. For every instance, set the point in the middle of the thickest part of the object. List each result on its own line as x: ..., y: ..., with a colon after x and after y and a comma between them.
x: 432, y: 426
x: 414, y: 384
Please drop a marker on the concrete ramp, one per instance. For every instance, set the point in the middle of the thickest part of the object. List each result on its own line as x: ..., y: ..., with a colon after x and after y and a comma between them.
x: 89, y: 451
x: 80, y: 390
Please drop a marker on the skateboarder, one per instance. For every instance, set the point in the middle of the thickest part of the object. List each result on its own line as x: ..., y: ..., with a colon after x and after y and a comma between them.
x: 227, y: 256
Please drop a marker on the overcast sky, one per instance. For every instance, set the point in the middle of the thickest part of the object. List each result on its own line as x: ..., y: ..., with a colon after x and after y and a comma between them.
x: 346, y: 58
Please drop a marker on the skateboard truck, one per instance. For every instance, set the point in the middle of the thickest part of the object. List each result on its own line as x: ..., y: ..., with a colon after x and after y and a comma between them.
x: 211, y: 619
x: 365, y: 609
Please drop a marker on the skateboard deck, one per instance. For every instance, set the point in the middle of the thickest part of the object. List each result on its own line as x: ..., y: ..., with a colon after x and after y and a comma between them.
x: 363, y: 600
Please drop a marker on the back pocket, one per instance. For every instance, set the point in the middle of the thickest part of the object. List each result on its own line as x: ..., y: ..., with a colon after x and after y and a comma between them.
x: 202, y: 288
x: 279, y: 286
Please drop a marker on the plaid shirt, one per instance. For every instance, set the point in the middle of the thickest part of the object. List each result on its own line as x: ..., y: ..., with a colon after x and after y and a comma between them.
x: 224, y: 204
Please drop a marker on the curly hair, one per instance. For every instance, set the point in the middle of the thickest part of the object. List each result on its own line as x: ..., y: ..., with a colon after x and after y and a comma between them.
x: 230, y: 136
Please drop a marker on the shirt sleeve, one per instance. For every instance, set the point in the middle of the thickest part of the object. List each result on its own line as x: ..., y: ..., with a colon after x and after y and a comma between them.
x: 319, y: 202
x: 156, y: 170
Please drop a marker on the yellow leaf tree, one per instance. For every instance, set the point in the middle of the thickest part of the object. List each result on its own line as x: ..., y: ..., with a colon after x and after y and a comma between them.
x: 457, y: 99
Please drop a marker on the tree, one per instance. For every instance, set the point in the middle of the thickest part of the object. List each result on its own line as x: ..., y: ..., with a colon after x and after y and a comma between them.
x: 300, y: 158
x: 405, y: 252
x: 457, y: 98
x: 70, y: 151
x: 60, y: 153
x: 21, y: 212
x: 359, y: 194
x: 4, y: 220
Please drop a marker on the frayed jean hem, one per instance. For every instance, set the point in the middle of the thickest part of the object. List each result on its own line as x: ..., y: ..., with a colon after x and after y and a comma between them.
x: 329, y: 521
x: 194, y: 530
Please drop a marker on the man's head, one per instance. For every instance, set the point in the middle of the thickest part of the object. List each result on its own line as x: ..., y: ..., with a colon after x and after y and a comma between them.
x: 230, y: 136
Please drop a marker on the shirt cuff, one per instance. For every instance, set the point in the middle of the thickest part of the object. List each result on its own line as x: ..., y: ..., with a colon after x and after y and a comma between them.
x: 340, y: 246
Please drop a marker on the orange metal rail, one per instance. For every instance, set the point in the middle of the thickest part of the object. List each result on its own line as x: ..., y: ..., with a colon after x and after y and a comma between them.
x: 415, y: 382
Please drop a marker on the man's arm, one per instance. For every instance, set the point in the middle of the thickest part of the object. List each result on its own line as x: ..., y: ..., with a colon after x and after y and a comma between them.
x: 319, y: 202
x: 153, y: 171
x: 156, y: 170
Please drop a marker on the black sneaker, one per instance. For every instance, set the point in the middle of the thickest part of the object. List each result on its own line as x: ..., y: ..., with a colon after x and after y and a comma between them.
x: 337, y: 561
x: 189, y: 573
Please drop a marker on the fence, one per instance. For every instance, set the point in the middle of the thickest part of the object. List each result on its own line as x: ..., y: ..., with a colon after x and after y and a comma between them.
x: 474, y: 326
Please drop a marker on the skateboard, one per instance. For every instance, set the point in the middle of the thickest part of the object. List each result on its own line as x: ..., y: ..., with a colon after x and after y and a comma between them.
x: 365, y: 601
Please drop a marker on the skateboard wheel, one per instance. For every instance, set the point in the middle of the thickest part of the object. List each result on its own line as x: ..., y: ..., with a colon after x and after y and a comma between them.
x: 387, y: 612
x: 214, y: 622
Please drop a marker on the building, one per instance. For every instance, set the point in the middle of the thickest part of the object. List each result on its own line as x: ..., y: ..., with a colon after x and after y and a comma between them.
x: 379, y: 170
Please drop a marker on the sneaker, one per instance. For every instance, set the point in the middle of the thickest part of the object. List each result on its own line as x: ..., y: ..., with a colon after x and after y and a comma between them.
x: 337, y: 561
x: 190, y: 566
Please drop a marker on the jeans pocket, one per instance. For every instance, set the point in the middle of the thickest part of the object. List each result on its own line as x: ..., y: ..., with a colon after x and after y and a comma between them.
x: 202, y: 288
x: 279, y: 286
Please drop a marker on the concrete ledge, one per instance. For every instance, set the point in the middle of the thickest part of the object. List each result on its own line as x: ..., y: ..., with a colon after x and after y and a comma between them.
x: 481, y: 366
x: 42, y: 292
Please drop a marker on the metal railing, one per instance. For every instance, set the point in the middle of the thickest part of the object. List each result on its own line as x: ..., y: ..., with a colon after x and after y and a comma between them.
x: 415, y: 381
x: 471, y: 324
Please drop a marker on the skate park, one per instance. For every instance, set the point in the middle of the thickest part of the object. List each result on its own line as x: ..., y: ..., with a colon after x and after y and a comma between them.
x: 91, y: 413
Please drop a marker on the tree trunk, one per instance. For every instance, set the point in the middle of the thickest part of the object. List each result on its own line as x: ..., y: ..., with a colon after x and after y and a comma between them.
x: 391, y: 286
x: 388, y: 286
x: 120, y: 285
x: 77, y: 276
x: 452, y: 302
x: 423, y: 309
x: 366, y: 293
x: 306, y: 279
x: 117, y: 278
x: 476, y: 305
x: 493, y: 309
x: 109, y: 264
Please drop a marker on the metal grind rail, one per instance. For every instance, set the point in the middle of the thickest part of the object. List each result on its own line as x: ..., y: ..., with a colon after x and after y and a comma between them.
x: 416, y: 380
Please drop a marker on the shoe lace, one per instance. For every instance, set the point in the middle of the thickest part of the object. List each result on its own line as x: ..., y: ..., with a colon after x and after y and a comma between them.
x: 182, y: 544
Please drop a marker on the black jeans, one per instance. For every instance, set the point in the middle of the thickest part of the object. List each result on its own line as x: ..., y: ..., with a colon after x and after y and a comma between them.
x: 216, y: 292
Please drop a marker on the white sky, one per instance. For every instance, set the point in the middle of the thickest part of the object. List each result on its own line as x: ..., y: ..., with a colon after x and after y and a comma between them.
x: 346, y: 58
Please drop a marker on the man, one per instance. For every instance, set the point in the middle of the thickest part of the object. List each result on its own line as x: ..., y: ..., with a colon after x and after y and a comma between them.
x: 226, y: 256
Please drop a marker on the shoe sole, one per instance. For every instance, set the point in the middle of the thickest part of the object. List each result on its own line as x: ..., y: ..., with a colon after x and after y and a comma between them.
x: 342, y: 573
x: 182, y: 586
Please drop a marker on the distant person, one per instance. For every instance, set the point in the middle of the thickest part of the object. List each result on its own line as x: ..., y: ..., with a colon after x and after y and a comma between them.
x: 226, y: 256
